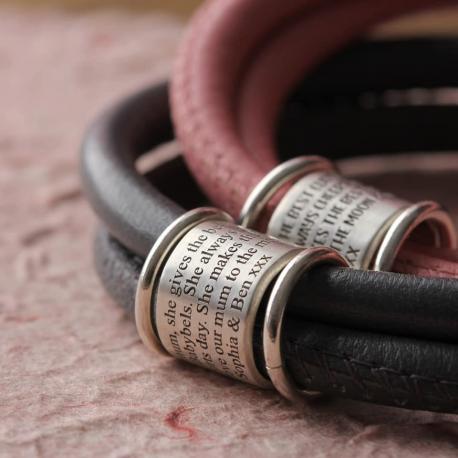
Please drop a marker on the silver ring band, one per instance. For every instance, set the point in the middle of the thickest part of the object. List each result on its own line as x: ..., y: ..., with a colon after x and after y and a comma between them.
x: 200, y: 290
x: 274, y: 181
x: 149, y: 277
x: 439, y: 222
x: 322, y: 208
x: 276, y: 307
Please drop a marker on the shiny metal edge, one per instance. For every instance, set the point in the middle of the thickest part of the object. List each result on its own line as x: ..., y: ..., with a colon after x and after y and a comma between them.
x: 275, y: 313
x: 273, y: 182
x: 406, y: 222
x: 153, y: 265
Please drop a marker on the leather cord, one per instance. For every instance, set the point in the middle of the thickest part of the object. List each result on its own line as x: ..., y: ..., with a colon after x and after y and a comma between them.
x: 221, y: 112
x: 379, y: 65
x: 116, y: 189
x: 135, y: 212
x: 390, y: 349
x: 143, y: 121
x: 380, y: 368
x: 230, y: 149
x: 357, y: 132
x: 362, y: 79
x: 404, y: 305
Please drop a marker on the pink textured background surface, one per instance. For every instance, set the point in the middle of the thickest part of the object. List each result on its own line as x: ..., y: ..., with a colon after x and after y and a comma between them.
x: 75, y: 380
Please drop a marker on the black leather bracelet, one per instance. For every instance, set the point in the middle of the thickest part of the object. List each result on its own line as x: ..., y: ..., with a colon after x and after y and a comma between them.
x: 404, y: 305
x: 393, y: 369
x: 335, y: 360
x: 329, y: 349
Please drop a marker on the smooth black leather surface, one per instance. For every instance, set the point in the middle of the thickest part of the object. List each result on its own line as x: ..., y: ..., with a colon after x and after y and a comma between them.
x: 133, y: 210
x: 357, y: 132
x: 375, y: 66
x: 362, y: 74
x: 335, y: 360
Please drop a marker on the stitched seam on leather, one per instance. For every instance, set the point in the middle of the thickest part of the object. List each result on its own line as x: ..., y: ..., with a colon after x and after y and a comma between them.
x: 187, y: 112
x: 358, y: 380
x: 190, y: 121
x: 308, y: 372
x: 321, y: 358
x: 439, y: 384
x: 384, y: 381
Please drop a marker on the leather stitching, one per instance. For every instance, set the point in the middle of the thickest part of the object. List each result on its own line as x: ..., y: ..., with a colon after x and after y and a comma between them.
x: 196, y: 137
x: 381, y: 375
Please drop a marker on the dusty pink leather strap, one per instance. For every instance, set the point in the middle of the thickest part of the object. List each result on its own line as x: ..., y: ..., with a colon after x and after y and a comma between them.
x: 236, y: 65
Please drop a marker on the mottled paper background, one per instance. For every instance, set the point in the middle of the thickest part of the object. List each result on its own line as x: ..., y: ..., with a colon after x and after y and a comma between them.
x: 75, y: 380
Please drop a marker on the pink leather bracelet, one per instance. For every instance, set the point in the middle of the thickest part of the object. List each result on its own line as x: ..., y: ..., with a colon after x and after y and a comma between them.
x: 236, y: 65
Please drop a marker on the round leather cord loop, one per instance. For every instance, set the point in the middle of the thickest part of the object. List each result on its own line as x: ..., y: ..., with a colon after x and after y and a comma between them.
x: 135, y: 212
x: 336, y: 359
x: 143, y: 121
x: 230, y: 149
x: 404, y: 305
x: 116, y: 189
